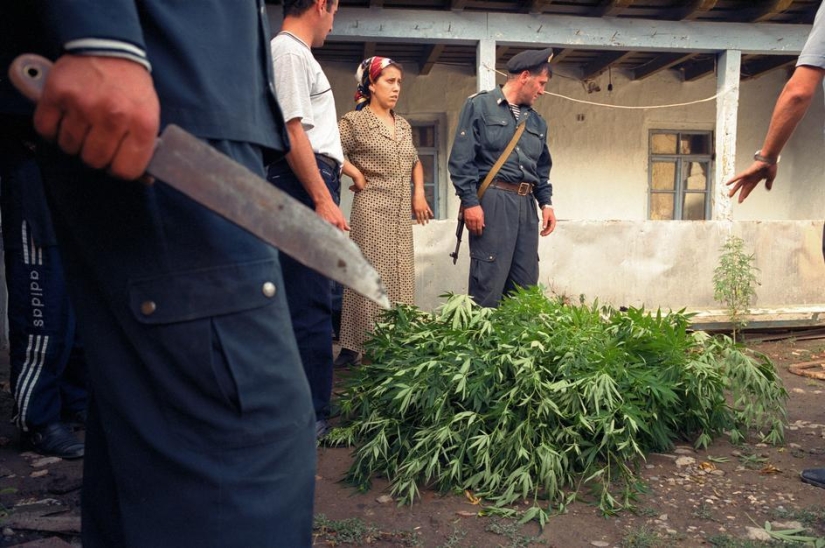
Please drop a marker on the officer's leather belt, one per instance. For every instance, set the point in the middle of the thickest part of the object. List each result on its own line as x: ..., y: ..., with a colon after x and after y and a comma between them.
x: 522, y: 189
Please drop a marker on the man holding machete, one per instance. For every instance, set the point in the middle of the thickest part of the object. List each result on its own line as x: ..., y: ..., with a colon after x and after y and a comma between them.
x: 200, y: 427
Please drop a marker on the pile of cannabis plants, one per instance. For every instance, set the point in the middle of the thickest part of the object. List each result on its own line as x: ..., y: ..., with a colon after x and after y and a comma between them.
x: 537, y: 398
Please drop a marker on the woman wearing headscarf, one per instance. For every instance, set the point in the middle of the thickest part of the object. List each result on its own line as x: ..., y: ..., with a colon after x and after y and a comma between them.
x: 381, y: 160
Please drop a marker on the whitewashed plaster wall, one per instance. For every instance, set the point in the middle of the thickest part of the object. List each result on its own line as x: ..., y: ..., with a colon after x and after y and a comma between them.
x: 604, y: 247
x: 601, y: 162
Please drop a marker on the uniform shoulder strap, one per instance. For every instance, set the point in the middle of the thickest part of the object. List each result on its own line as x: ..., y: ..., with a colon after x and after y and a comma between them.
x: 504, y: 155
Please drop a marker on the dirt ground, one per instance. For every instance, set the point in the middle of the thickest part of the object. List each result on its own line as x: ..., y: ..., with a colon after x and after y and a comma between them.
x: 719, y: 497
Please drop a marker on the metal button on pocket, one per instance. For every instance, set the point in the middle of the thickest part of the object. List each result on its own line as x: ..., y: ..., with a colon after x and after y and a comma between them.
x: 147, y: 308
x: 268, y: 289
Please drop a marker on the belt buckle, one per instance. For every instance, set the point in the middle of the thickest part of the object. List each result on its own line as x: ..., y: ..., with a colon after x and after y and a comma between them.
x: 524, y: 189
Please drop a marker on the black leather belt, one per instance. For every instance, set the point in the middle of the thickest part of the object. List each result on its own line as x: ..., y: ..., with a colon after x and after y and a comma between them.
x: 328, y: 161
x: 522, y: 189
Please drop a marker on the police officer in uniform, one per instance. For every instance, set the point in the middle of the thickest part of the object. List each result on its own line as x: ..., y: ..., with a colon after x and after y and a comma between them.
x: 504, y: 224
x: 200, y: 424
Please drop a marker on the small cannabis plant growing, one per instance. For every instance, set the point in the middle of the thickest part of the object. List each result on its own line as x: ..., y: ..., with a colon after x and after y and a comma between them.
x: 536, y: 399
x: 734, y: 282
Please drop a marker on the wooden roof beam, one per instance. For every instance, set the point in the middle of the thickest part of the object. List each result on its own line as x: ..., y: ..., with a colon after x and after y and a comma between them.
x: 765, y: 64
x: 560, y: 54
x: 536, y: 6
x: 660, y: 63
x: 532, y: 31
x: 767, y: 10
x: 430, y: 58
x: 611, y: 8
x: 602, y: 62
x: 458, y: 5
x: 694, y: 10
x: 698, y: 70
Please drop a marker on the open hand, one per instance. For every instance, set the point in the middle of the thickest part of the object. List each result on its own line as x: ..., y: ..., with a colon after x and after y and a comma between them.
x: 746, y: 181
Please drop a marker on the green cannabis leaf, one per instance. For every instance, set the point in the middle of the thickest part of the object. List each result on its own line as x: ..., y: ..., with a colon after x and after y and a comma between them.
x: 537, y: 399
x: 734, y: 282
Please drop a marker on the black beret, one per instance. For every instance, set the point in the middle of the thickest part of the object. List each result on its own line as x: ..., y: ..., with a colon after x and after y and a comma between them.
x: 528, y: 60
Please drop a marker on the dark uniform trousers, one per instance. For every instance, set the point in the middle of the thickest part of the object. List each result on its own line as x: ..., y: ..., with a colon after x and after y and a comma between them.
x: 310, y: 294
x: 48, y: 373
x: 505, y: 256
x: 200, y: 430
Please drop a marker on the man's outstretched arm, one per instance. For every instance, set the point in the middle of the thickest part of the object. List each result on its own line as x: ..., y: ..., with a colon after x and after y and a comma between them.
x: 790, y: 108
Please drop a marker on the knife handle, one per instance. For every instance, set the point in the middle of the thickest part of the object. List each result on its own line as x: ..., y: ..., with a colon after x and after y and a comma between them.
x: 28, y: 74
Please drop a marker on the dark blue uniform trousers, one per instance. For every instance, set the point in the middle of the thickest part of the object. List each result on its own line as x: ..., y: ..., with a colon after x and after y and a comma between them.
x: 505, y: 256
x: 200, y: 429
x: 48, y: 373
x: 310, y: 295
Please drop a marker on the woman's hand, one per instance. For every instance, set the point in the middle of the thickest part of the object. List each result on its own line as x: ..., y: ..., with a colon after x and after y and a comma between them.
x: 421, y: 209
x: 359, y: 182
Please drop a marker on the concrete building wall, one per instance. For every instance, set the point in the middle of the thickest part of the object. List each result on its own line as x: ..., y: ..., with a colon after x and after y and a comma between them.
x: 604, y: 246
x: 600, y: 154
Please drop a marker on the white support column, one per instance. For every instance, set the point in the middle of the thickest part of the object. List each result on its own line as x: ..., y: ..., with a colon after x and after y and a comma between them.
x: 486, y: 57
x: 727, y: 106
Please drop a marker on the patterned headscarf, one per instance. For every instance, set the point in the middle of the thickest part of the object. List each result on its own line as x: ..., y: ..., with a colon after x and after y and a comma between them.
x: 367, y: 73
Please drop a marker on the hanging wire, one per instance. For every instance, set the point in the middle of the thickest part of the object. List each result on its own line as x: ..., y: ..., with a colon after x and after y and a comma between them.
x: 625, y: 107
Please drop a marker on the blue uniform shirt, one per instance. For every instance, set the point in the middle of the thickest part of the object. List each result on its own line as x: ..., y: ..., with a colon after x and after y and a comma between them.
x: 485, y: 126
x: 228, y: 98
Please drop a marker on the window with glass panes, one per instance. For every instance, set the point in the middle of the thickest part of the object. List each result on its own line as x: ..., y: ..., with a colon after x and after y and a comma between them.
x: 680, y: 175
x: 425, y: 139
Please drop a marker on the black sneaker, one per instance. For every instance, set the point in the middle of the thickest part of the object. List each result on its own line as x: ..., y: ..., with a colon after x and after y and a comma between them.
x: 347, y: 358
x: 56, y: 440
x: 321, y: 428
x: 76, y: 421
x: 814, y: 476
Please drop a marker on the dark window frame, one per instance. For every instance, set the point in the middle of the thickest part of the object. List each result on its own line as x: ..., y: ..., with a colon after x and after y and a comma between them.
x: 682, y: 163
x: 433, y: 182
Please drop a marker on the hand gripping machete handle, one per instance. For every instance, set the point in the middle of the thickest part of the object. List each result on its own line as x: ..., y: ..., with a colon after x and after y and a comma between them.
x: 28, y: 73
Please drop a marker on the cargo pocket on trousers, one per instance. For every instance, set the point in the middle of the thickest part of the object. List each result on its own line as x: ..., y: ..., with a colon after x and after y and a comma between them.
x: 484, y: 256
x: 184, y: 314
